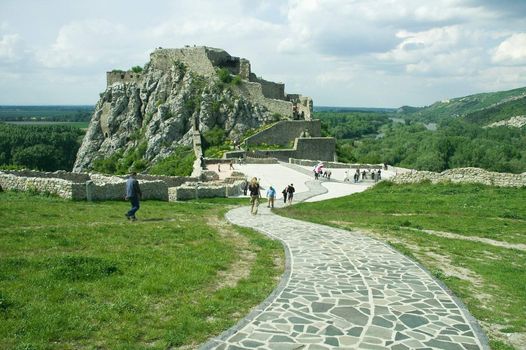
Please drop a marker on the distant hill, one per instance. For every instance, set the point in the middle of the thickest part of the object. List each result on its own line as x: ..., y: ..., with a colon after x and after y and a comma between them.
x: 479, y: 108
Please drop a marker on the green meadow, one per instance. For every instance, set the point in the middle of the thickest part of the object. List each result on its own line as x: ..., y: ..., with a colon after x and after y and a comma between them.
x: 78, y: 275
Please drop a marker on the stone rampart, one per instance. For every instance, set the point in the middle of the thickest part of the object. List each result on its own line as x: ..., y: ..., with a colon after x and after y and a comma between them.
x: 271, y: 89
x: 255, y: 91
x: 319, y: 148
x: 463, y: 175
x: 285, y: 132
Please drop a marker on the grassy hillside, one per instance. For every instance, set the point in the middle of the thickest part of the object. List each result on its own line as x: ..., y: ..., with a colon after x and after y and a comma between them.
x: 444, y: 227
x: 468, y: 105
x: 77, y: 275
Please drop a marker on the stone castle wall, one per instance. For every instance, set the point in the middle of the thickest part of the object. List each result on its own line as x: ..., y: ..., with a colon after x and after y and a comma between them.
x: 463, y: 175
x: 319, y: 148
x: 269, y: 88
x: 255, y: 91
x: 122, y: 77
x: 285, y: 132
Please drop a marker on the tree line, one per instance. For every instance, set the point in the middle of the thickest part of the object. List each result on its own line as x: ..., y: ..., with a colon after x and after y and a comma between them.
x: 46, y: 148
x: 456, y: 143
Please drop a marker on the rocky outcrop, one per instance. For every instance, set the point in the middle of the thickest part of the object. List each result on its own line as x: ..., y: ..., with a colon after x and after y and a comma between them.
x: 514, y: 122
x: 149, y: 114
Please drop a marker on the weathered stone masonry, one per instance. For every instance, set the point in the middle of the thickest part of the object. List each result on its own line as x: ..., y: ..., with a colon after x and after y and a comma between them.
x: 463, y: 175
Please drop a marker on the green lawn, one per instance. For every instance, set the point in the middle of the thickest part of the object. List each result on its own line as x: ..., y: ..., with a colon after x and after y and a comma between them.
x: 490, y: 280
x: 78, y: 275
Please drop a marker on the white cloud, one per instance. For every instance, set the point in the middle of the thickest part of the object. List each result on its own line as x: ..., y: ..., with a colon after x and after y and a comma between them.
x: 344, y: 52
x: 9, y: 47
x: 87, y: 43
x: 512, y: 50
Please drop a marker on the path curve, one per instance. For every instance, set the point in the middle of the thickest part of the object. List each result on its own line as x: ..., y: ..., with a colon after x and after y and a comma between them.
x: 344, y: 290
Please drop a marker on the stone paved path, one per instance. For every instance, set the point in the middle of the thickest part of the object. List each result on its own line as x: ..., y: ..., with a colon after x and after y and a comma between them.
x: 343, y: 290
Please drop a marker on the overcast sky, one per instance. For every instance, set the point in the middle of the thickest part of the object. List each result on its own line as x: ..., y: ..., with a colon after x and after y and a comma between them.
x: 374, y: 53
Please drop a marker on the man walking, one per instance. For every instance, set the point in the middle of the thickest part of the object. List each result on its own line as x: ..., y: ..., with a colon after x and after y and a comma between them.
x: 133, y: 194
x: 290, y: 193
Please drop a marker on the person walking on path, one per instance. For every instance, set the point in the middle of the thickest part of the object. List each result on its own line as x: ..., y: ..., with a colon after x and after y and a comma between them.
x: 271, y: 195
x: 290, y: 193
x: 255, y: 194
x: 133, y: 194
x: 245, y: 187
x: 284, y: 192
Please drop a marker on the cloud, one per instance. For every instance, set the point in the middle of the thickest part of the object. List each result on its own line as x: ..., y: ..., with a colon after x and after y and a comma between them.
x: 9, y: 47
x: 87, y: 43
x: 511, y: 51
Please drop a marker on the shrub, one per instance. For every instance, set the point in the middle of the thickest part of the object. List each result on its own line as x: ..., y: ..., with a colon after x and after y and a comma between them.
x: 214, y: 137
x: 137, y: 69
x: 224, y: 75
x: 180, y: 163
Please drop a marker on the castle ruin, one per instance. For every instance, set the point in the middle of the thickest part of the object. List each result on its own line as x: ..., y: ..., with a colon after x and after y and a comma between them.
x: 206, y: 61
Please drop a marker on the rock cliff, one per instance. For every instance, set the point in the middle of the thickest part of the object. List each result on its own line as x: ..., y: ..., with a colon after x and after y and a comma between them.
x: 151, y: 112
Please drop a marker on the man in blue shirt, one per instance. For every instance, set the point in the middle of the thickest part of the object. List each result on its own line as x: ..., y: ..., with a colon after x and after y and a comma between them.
x: 133, y: 194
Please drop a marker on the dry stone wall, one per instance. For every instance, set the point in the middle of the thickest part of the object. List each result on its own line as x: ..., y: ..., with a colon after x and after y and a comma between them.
x: 80, y: 186
x: 59, y: 187
x: 463, y: 175
x: 205, y: 190
x: 284, y: 132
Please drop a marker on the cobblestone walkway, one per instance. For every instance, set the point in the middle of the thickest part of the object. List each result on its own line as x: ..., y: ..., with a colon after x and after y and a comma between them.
x: 343, y: 290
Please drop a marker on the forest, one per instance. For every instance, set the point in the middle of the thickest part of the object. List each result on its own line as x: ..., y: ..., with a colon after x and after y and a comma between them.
x: 457, y: 142
x: 46, y: 148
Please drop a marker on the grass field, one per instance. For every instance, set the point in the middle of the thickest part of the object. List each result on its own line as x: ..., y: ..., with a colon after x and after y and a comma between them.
x: 77, y: 275
x: 472, y: 237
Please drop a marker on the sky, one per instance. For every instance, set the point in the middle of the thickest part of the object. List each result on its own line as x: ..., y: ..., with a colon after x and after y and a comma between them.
x: 361, y: 53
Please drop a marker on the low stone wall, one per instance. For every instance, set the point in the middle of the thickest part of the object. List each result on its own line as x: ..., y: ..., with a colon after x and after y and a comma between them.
x: 116, y: 190
x: 59, y: 187
x: 463, y: 175
x: 205, y: 190
x: 335, y: 165
x: 96, y: 187
x: 60, y: 174
x: 170, y: 181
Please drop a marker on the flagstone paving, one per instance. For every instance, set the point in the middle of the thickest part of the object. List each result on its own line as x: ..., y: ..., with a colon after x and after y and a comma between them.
x: 344, y: 290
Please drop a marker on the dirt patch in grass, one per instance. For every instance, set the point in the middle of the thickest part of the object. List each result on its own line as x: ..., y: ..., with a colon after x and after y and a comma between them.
x: 239, y: 269
x: 492, y: 242
x: 517, y: 340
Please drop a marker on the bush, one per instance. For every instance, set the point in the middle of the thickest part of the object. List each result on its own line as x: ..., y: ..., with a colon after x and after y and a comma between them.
x: 214, y: 137
x: 137, y: 69
x: 180, y: 163
x: 224, y: 75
